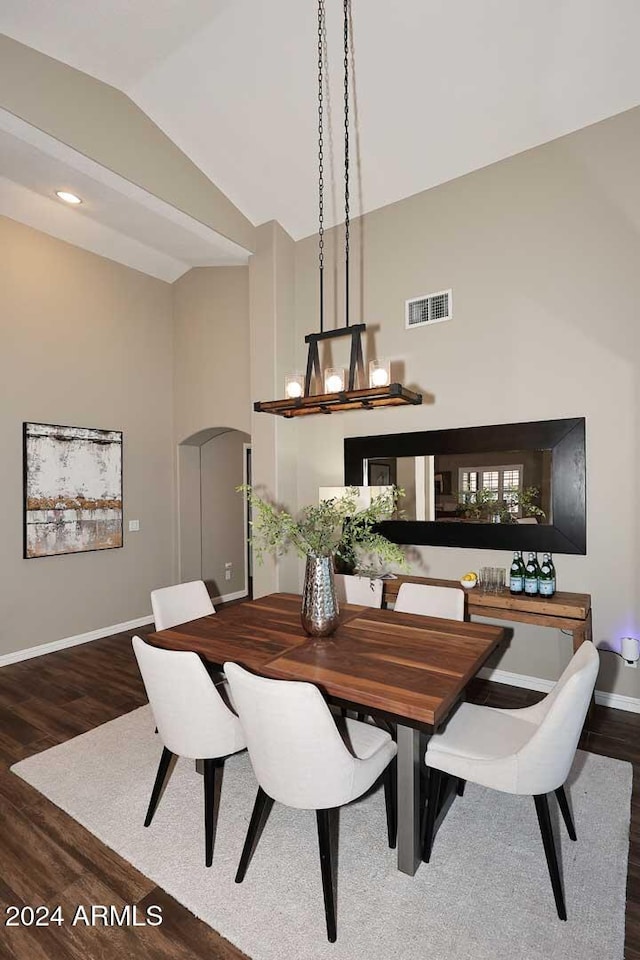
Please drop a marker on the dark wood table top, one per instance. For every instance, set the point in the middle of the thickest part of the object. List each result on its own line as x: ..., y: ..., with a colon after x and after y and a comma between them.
x: 412, y: 667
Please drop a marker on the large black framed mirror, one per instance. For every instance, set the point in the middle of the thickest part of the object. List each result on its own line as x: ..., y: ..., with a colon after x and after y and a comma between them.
x: 510, y: 486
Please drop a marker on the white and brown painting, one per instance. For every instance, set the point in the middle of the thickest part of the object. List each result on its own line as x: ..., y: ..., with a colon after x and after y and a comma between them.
x: 73, y: 489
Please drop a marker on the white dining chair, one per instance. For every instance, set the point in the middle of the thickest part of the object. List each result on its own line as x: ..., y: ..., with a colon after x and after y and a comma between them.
x: 366, y: 591
x: 300, y: 758
x: 192, y: 719
x: 180, y: 603
x: 524, y: 751
x: 430, y: 601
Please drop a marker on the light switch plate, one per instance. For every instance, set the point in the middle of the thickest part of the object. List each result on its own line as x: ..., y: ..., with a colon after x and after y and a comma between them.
x: 134, y: 526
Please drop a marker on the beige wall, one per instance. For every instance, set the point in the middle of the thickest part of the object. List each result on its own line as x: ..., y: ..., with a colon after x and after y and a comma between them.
x: 86, y: 342
x: 189, y: 519
x: 275, y: 453
x: 211, y: 350
x: 223, y: 521
x: 542, y: 253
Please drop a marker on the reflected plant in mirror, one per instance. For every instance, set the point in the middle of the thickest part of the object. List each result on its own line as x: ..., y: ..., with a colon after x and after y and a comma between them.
x: 484, y: 505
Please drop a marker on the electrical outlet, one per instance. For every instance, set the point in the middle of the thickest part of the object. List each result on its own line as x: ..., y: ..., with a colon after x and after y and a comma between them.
x: 228, y: 570
x: 134, y: 526
x: 227, y: 574
x: 630, y: 651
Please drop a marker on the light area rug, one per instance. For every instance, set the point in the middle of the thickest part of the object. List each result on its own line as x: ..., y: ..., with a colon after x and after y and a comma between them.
x: 485, y: 895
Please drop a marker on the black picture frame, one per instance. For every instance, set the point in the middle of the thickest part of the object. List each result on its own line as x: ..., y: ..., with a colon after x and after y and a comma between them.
x: 442, y: 483
x: 566, y: 439
x: 382, y: 473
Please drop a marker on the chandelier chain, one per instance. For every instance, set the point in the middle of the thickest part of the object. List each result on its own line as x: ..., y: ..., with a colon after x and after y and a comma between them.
x: 346, y: 155
x: 321, y: 43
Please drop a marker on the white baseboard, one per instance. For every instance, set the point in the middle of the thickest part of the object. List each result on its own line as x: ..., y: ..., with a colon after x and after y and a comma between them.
x: 618, y: 701
x: 43, y: 648
x: 615, y: 700
x: 516, y: 679
x: 226, y: 597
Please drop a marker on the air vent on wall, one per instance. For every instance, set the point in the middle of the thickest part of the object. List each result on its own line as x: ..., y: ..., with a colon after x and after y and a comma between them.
x: 432, y: 308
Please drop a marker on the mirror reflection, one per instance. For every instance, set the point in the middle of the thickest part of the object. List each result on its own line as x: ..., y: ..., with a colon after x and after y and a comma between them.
x: 508, y: 486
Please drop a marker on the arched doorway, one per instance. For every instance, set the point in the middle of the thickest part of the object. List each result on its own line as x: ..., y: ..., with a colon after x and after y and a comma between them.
x: 212, y: 516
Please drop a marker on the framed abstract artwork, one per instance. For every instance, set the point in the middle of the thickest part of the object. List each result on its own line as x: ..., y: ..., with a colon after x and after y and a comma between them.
x: 72, y: 489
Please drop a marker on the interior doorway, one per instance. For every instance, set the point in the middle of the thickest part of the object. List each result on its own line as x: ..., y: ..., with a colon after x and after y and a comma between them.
x: 212, y: 515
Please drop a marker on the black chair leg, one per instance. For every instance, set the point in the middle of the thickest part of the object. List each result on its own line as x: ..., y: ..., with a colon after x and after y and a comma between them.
x: 544, y: 820
x: 161, y: 775
x: 326, y: 820
x: 389, y: 778
x: 436, y: 778
x: 261, y: 810
x: 211, y: 768
x: 566, y: 813
x: 461, y: 785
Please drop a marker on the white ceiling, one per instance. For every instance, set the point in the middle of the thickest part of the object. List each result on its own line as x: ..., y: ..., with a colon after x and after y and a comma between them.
x: 444, y: 87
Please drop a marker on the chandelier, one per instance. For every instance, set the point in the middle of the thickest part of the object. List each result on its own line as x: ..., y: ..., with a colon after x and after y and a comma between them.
x: 336, y: 389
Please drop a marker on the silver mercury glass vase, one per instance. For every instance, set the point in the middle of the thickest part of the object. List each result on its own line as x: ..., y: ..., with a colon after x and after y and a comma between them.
x: 320, y: 609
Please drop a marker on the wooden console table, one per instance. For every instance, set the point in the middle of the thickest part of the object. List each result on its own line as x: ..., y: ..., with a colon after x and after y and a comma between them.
x: 563, y: 611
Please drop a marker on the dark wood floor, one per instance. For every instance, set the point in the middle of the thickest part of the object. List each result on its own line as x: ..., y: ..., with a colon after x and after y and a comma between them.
x: 48, y: 858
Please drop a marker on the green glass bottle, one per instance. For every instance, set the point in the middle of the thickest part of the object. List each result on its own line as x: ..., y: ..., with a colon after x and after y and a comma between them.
x: 546, y: 578
x: 531, y: 572
x: 516, y: 575
x: 553, y: 572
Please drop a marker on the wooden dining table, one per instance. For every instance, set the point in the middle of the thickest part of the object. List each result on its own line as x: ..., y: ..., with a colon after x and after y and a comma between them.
x: 398, y: 666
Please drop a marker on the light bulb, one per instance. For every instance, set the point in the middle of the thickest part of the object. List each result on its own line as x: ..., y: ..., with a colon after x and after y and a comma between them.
x: 379, y: 373
x: 294, y: 386
x: 334, y: 383
x: 294, y: 389
x: 379, y: 377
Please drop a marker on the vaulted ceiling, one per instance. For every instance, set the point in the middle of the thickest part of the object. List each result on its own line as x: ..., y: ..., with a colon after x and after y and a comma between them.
x: 443, y: 87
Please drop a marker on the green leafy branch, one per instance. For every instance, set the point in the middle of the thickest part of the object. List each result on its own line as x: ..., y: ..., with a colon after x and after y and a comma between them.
x: 334, y: 526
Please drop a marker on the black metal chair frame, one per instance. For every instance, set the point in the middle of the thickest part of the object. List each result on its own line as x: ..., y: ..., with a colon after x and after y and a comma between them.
x: 213, y: 768
x: 327, y: 825
x: 435, y: 798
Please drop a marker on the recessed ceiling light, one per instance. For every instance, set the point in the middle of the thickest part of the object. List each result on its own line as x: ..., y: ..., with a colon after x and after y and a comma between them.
x: 68, y: 197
